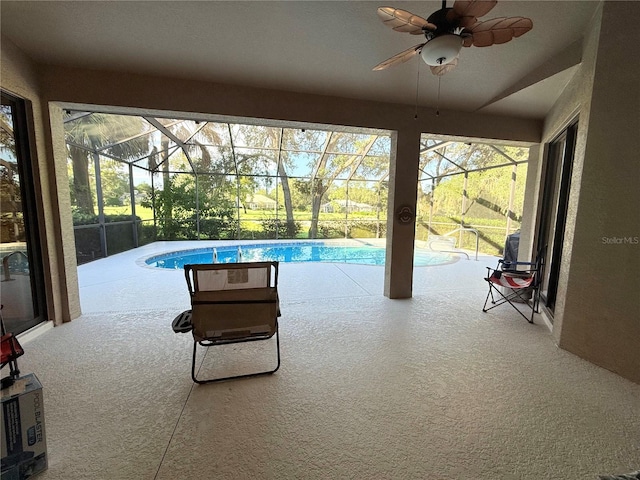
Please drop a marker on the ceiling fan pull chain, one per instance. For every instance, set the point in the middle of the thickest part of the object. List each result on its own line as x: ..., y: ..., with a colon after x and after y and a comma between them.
x: 417, y: 90
x: 438, y: 101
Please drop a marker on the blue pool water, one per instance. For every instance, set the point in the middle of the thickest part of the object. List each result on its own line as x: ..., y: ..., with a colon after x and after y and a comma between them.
x: 288, y: 252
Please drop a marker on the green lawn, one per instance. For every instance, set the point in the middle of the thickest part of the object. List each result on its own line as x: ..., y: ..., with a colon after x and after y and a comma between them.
x: 491, y: 230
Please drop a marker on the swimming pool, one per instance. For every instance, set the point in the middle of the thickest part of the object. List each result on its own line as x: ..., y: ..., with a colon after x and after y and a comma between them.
x: 289, y: 252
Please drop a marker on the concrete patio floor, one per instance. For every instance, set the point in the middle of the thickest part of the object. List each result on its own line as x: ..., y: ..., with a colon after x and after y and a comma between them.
x: 370, y: 388
x: 123, y: 283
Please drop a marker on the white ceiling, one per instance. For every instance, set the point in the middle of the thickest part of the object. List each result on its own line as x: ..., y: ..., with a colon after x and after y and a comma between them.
x: 326, y: 47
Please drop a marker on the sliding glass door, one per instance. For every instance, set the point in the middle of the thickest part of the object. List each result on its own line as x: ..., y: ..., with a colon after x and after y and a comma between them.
x: 22, y: 291
x: 555, y: 199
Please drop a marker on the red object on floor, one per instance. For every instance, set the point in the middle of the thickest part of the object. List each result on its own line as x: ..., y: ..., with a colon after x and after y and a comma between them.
x: 11, y: 348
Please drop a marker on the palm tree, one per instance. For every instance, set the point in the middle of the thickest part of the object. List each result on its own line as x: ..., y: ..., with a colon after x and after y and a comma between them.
x: 101, y: 132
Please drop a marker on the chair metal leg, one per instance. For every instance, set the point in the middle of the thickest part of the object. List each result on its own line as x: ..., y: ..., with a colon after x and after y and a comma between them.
x: 484, y: 308
x: 507, y: 299
x: 212, y: 380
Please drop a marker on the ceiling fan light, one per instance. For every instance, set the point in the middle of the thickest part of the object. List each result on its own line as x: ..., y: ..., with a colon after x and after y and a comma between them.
x: 441, y: 50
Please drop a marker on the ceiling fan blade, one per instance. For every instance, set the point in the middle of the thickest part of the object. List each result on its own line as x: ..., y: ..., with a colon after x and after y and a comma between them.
x: 403, y: 21
x: 466, y: 12
x: 473, y: 8
x: 499, y: 30
x: 440, y: 70
x: 401, y: 57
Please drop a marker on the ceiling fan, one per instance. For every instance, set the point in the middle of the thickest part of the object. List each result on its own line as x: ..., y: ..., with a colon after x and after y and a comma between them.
x: 448, y: 30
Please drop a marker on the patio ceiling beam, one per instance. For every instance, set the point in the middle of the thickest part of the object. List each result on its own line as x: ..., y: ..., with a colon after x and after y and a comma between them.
x: 276, y: 149
x: 125, y: 140
x: 364, y: 153
x: 91, y: 150
x: 504, y: 154
x: 435, y: 147
x: 451, y: 161
x: 75, y: 116
x: 197, y: 130
x: 165, y: 131
x: 235, y: 163
x: 280, y: 173
x: 78, y: 145
x: 101, y: 150
x: 479, y: 169
x: 321, y: 157
x: 268, y: 149
x: 117, y: 159
x: 170, y: 152
x: 431, y: 177
x: 133, y: 137
x: 352, y: 158
x: 299, y: 150
x: 169, y: 134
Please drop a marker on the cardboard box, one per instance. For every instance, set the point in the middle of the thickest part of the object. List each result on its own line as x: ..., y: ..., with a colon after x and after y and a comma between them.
x: 24, y: 446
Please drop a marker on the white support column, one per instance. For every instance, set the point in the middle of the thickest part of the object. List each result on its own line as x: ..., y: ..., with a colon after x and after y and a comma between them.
x: 512, y: 193
x: 401, y: 222
x: 464, y: 206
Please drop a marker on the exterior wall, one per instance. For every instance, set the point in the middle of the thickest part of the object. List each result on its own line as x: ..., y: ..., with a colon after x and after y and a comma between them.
x: 575, y: 102
x: 598, y: 310
x: 57, y: 149
x: 20, y: 77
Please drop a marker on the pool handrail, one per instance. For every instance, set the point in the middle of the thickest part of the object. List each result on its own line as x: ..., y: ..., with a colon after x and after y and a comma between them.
x: 5, y: 264
x: 461, y: 229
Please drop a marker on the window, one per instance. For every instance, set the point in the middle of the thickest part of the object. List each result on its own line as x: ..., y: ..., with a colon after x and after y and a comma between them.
x: 22, y: 293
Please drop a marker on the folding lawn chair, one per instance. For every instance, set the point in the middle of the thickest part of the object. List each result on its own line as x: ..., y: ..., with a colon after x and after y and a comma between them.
x: 231, y: 303
x: 516, y: 283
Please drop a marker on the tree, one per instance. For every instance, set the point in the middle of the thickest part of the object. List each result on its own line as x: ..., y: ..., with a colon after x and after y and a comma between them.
x: 270, y: 138
x: 227, y: 163
x: 115, y: 183
x: 146, y: 190
x: 10, y: 196
x: 488, y: 186
x: 204, y: 193
x: 331, y: 165
x: 93, y: 132
x: 81, y: 183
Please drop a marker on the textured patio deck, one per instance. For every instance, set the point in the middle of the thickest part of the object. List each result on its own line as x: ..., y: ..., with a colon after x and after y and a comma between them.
x: 122, y: 282
x: 370, y: 388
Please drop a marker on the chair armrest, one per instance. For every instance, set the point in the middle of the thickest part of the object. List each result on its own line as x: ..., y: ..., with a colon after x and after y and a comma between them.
x: 513, y: 266
x: 519, y: 263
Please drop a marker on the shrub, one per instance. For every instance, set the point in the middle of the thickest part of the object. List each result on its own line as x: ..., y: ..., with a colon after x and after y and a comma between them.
x: 329, y: 229
x: 273, y: 226
x: 367, y: 229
